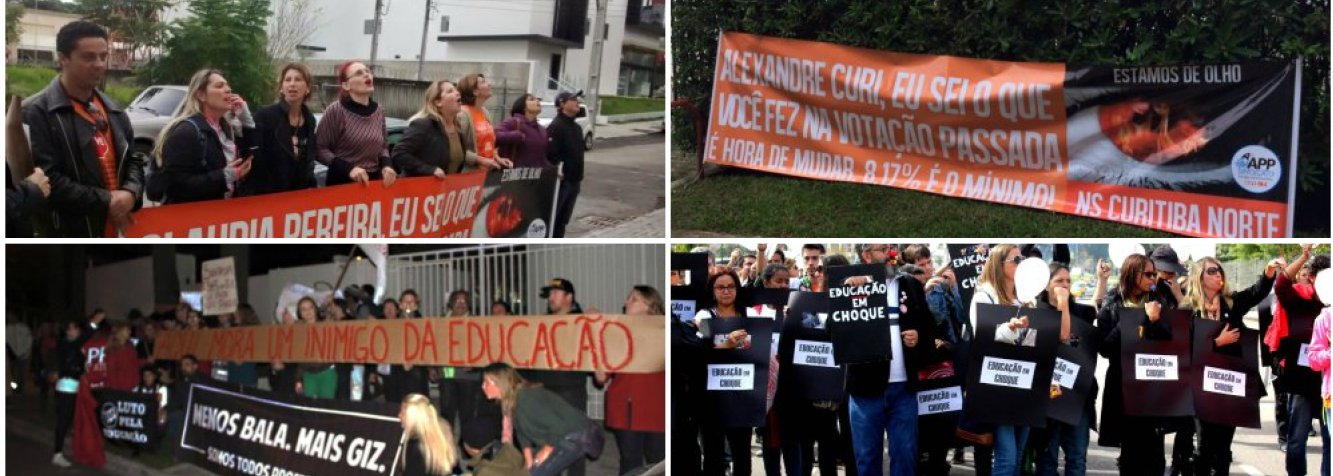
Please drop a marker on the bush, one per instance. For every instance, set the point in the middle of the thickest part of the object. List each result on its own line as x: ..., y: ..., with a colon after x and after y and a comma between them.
x: 1110, y: 33
x: 27, y: 80
x: 227, y: 35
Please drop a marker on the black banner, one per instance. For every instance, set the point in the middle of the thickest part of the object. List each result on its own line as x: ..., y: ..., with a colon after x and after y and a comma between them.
x: 689, y: 285
x: 737, y: 379
x: 967, y: 262
x: 516, y: 203
x: 1227, y: 386
x: 1156, y: 378
x: 814, y: 372
x: 1009, y: 378
x: 128, y: 416
x: 859, y: 321
x: 259, y: 433
x: 1221, y: 130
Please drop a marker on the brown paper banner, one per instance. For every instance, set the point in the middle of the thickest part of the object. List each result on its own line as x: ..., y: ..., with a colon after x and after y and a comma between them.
x: 604, y: 343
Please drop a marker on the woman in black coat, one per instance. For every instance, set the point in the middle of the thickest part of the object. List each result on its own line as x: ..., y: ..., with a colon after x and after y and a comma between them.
x: 1209, y: 297
x: 1141, y: 446
x: 284, y: 138
x: 440, y: 139
x: 202, y: 155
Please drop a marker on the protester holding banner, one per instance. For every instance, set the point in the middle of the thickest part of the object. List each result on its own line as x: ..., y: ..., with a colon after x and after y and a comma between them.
x: 553, y: 434
x: 285, y: 136
x: 1210, y: 297
x: 244, y: 373
x: 430, y: 446
x: 440, y: 139
x: 148, y: 384
x: 1057, y: 436
x: 315, y: 380
x: 475, y: 90
x: 122, y: 360
x: 66, y: 368
x: 634, y: 403
x: 995, y: 285
x: 206, y: 151
x: 882, y: 393
x: 521, y: 136
x: 352, y: 139
x: 1139, y: 439
x: 724, y: 287
x: 1299, y: 307
x: 566, y: 148
x: 81, y: 138
x: 570, y: 385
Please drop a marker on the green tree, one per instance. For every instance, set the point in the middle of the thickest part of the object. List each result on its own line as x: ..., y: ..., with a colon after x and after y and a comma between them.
x: 1104, y: 33
x: 1227, y: 252
x: 13, y: 12
x: 133, y: 23
x: 227, y: 35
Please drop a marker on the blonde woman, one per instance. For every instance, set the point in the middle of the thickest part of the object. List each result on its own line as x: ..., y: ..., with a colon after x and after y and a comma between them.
x: 205, y: 151
x: 1210, y: 297
x: 440, y: 140
x: 549, y: 430
x: 996, y: 286
x: 430, y: 449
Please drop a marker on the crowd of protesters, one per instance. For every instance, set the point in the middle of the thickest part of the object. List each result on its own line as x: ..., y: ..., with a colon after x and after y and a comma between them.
x: 88, y: 182
x: 881, y: 399
x: 505, y: 420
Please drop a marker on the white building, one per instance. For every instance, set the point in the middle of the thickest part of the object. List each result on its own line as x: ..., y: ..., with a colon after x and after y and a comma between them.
x: 37, y: 40
x: 551, y: 36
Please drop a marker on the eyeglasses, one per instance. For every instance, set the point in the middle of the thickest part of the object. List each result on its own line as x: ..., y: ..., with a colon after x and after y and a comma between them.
x: 817, y: 269
x: 1214, y: 271
x: 1015, y: 260
x: 1150, y: 274
x: 725, y: 289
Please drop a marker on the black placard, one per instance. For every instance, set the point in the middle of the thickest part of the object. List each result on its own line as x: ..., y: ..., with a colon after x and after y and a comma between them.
x: 737, y: 379
x: 1069, y: 397
x: 813, y: 371
x: 128, y: 416
x: 1156, y: 378
x: 859, y: 318
x: 688, y: 298
x: 1009, y: 380
x: 967, y: 264
x: 258, y: 432
x: 1227, y: 386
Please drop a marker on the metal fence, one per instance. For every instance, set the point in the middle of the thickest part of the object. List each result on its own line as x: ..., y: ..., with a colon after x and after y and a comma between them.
x: 602, y: 276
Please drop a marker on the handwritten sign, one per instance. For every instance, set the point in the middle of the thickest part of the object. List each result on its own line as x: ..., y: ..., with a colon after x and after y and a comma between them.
x: 610, y: 343
x: 219, y: 282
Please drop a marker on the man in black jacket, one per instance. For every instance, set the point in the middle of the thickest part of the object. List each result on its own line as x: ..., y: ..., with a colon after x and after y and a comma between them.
x: 566, y: 148
x: 883, y: 394
x: 81, y: 138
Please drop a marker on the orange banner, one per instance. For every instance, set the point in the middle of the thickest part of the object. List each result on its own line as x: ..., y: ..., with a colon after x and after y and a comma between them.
x: 585, y: 342
x: 422, y: 207
x: 986, y: 130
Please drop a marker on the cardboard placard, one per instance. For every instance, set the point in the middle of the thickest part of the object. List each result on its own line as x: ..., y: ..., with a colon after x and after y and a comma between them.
x: 1008, y: 381
x: 219, y: 282
x: 1227, y: 386
x: 1157, y: 376
x: 738, y: 378
x: 859, y: 321
x: 814, y: 369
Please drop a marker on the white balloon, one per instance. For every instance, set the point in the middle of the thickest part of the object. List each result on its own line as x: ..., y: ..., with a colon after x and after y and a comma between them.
x: 1323, y: 286
x: 1121, y: 250
x: 1030, y: 278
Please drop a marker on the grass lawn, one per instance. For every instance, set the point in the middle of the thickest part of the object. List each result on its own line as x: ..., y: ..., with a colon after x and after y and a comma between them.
x: 744, y: 203
x: 28, y: 80
x: 628, y: 105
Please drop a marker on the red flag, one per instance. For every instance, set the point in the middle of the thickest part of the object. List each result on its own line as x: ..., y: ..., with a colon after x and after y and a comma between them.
x: 88, y: 449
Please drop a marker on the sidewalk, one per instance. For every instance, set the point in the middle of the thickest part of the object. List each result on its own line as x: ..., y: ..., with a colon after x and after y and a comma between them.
x: 652, y: 225
x: 628, y: 129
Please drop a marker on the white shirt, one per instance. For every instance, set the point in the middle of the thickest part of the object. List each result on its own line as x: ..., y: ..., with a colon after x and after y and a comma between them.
x: 897, y: 367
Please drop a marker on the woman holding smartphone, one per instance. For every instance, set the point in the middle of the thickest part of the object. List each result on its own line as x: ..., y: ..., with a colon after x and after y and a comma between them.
x: 206, y: 149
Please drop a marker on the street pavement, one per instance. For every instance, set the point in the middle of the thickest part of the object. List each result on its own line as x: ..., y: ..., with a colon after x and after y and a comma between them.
x: 624, y: 183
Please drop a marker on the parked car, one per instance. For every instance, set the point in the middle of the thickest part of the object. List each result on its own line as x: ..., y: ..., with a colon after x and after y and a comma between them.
x: 152, y: 109
x: 549, y: 111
